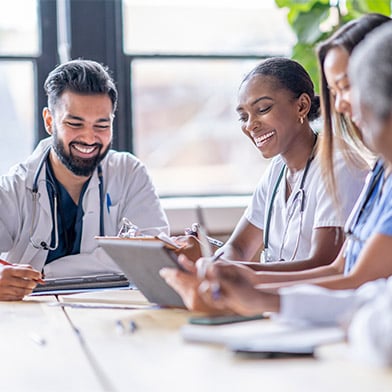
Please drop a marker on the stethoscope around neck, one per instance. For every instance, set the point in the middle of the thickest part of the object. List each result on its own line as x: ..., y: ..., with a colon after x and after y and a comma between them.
x: 36, y: 195
x: 299, y: 197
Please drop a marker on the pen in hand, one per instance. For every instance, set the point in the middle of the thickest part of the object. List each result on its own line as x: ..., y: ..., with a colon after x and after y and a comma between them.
x: 6, y: 263
x: 204, y: 263
x: 3, y: 262
x: 202, y: 266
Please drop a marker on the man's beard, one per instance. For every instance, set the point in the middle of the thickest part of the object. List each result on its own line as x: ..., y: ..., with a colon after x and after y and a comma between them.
x: 79, y: 166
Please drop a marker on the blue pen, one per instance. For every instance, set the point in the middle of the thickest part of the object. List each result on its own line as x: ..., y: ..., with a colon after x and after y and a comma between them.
x: 108, y: 202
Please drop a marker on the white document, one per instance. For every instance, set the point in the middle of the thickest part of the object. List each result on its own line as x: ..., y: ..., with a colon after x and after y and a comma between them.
x: 263, y: 335
x: 303, y: 340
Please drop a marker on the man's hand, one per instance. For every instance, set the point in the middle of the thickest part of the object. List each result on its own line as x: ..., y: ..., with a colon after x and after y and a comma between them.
x: 17, y: 281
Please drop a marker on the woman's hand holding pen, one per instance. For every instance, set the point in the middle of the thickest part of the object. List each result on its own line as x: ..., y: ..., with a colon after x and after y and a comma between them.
x: 186, y: 283
x: 17, y: 280
x: 236, y: 290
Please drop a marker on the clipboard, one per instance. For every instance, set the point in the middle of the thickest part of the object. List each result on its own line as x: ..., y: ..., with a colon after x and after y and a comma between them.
x: 161, y: 237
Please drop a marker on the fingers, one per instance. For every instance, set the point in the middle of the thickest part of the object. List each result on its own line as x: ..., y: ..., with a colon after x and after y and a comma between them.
x: 187, y: 264
x: 22, y: 273
x: 186, y: 286
x: 16, y: 281
x: 169, y: 275
x: 13, y: 293
x: 201, y: 266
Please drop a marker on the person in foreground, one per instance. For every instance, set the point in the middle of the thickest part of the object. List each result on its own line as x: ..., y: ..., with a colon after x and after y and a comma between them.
x: 333, y: 56
x: 73, y: 187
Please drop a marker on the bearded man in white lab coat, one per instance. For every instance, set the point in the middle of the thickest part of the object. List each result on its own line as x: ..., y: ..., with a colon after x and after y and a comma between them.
x: 73, y: 187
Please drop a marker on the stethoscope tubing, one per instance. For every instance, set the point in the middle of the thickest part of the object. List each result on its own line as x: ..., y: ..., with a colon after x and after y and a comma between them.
x: 35, y: 196
x: 300, y: 192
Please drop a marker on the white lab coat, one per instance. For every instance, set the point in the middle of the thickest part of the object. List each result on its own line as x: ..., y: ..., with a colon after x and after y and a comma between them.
x: 125, y: 180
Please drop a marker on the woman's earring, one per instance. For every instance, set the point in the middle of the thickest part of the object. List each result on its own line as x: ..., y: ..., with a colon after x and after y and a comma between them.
x: 301, y: 120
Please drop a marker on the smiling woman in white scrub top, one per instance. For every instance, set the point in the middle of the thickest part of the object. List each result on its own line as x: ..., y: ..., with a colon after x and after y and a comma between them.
x: 291, y: 214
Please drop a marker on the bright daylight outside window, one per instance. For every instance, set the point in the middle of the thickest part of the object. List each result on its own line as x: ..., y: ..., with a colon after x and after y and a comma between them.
x: 185, y: 126
x: 18, y: 37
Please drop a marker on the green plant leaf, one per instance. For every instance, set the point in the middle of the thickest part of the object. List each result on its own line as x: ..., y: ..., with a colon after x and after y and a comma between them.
x: 306, y: 55
x: 307, y: 25
x: 300, y: 5
x: 305, y: 17
x: 366, y: 6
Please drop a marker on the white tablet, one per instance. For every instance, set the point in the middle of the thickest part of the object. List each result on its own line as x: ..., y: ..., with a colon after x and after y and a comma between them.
x: 141, y: 261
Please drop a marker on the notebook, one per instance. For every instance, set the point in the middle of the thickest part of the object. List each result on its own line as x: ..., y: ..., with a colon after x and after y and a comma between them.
x: 82, y: 283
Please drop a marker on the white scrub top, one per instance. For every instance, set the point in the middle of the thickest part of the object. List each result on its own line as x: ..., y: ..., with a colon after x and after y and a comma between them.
x: 319, y: 210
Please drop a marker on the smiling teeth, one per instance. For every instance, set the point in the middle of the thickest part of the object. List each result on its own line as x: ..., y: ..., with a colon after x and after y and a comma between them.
x: 260, y: 139
x: 84, y: 150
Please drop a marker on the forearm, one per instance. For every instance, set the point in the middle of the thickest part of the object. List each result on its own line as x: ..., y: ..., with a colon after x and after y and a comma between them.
x: 294, y: 276
x: 340, y: 282
x: 258, y: 303
x: 279, y: 266
x: 268, y: 303
x: 233, y: 253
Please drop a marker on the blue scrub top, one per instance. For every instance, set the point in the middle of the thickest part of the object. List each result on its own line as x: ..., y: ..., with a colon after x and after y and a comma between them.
x: 376, y: 218
x: 69, y: 217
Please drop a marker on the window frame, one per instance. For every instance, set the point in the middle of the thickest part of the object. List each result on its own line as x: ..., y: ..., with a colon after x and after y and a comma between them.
x: 103, y: 20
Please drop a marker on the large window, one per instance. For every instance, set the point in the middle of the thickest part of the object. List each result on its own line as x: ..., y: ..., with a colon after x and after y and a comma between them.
x: 178, y: 65
x: 187, y: 58
x: 19, y: 44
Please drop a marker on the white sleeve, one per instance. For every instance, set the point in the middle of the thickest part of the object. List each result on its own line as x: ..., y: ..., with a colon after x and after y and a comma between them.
x: 142, y: 205
x: 349, y: 183
x: 370, y: 332
x: 256, y: 211
x: 309, y: 304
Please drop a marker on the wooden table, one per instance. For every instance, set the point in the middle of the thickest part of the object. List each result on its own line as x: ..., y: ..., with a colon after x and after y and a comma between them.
x: 50, y: 348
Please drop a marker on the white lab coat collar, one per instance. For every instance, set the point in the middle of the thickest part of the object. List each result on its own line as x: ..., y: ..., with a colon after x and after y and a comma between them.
x: 44, y: 214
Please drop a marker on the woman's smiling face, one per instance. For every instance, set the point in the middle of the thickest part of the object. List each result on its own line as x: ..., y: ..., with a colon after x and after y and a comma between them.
x: 268, y: 114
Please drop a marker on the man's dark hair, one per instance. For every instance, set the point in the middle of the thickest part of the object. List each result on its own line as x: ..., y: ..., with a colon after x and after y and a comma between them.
x: 81, y: 77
